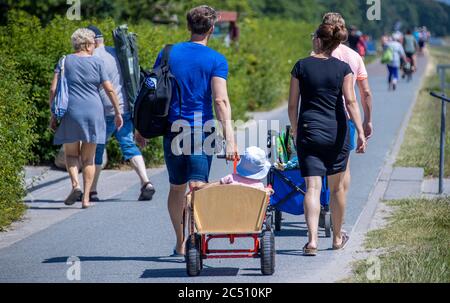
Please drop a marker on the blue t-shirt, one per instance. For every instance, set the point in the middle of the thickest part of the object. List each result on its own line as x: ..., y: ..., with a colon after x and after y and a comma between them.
x: 194, y: 65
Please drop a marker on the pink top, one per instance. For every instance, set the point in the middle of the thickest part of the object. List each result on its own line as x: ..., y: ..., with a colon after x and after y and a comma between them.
x: 239, y: 180
x: 352, y: 58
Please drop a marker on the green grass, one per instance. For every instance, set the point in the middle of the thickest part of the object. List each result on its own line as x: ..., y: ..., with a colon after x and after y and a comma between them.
x: 415, y: 244
x: 9, y: 213
x: 422, y: 139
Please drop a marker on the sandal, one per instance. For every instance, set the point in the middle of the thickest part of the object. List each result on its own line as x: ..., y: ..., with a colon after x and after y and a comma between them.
x: 345, y: 239
x: 147, y: 192
x: 93, y: 196
x: 309, y: 252
x: 74, y: 196
x: 175, y: 254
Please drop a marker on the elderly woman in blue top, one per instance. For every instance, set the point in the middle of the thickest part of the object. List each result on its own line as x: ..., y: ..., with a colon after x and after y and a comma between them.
x: 83, y: 126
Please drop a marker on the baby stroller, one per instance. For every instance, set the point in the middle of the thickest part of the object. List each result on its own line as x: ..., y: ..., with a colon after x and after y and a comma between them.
x: 288, y: 184
x: 229, y: 212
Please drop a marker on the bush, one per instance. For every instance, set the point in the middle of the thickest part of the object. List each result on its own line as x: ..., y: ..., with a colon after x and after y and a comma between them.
x: 16, y: 120
x: 259, y: 65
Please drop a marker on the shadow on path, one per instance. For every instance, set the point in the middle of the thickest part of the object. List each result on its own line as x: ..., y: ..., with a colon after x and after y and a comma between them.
x: 181, y: 273
x: 165, y: 259
x: 32, y: 201
x: 155, y: 273
x: 46, y: 184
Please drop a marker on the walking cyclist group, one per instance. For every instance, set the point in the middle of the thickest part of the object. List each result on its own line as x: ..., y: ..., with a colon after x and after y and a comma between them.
x: 323, y: 111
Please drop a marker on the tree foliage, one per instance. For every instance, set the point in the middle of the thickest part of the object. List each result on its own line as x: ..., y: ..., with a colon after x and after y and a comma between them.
x: 411, y: 13
x: 430, y: 13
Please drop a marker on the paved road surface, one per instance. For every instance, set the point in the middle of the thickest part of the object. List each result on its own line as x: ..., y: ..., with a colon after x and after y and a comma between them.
x: 121, y: 240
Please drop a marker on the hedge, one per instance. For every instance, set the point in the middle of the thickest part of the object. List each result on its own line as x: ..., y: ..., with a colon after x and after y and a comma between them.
x: 259, y: 65
x: 16, y: 121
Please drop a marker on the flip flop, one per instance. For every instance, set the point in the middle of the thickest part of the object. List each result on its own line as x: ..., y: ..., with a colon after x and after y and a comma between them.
x: 309, y: 252
x: 175, y: 254
x: 74, y: 196
x: 146, y: 192
x: 345, y: 238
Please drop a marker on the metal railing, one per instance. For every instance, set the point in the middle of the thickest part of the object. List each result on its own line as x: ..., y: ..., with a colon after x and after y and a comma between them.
x: 442, y: 71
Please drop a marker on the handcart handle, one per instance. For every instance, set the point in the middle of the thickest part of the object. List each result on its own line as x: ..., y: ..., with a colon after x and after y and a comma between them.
x: 235, y: 162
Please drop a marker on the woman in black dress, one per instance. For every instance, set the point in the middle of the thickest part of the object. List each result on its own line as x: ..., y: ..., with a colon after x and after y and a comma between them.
x: 321, y: 128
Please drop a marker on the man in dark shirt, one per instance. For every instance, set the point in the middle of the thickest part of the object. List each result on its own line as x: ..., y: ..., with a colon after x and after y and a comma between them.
x: 353, y: 38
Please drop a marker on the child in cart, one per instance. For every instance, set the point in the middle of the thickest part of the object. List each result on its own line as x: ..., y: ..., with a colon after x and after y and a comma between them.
x: 251, y: 170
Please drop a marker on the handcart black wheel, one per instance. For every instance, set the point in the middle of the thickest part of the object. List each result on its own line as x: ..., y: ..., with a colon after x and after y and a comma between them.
x: 278, y: 219
x: 193, y: 256
x: 267, y: 252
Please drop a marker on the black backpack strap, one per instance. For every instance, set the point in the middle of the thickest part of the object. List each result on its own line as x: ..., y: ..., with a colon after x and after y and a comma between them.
x: 166, y: 55
x: 165, y: 64
x: 180, y: 98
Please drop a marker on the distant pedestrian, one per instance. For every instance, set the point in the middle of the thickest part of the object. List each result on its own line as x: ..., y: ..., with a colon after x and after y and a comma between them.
x: 385, y: 39
x: 125, y: 135
x: 411, y: 47
x: 394, y: 66
x: 83, y: 126
x: 423, y: 38
x: 353, y: 38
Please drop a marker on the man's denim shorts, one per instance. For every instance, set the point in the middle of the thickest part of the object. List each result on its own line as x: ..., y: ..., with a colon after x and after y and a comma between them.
x: 352, y: 135
x: 184, y: 167
x: 125, y: 137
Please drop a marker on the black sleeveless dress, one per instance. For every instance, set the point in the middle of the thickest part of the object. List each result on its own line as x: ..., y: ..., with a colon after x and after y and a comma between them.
x: 322, y: 134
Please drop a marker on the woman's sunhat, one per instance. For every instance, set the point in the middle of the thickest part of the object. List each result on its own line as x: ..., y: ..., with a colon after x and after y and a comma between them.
x: 254, y: 164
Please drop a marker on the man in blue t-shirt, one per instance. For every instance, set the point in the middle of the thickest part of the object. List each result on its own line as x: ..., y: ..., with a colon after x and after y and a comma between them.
x: 202, y: 75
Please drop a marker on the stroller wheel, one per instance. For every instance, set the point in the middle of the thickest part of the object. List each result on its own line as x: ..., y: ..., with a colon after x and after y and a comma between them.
x: 267, y: 252
x: 325, y: 221
x: 193, y: 256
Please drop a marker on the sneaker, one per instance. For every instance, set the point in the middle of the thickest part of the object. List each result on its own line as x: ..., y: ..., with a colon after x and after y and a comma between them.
x: 147, y: 192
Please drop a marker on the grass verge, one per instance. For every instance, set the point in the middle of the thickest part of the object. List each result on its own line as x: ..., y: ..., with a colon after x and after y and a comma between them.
x: 414, y: 245
x: 421, y: 145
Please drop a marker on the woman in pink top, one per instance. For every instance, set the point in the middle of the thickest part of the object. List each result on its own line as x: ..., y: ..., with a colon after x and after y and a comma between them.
x: 352, y: 58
